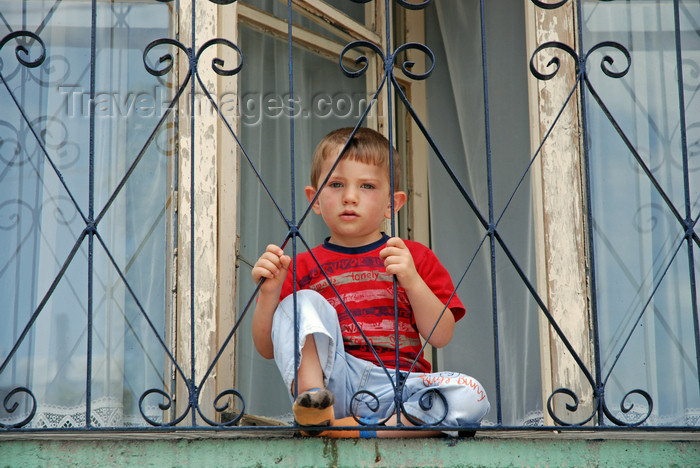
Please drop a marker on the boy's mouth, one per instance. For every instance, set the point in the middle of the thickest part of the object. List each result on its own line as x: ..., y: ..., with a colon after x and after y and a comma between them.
x: 348, y: 214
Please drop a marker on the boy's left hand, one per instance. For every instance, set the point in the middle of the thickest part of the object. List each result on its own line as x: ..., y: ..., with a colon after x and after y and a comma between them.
x: 427, y: 308
x: 399, y: 261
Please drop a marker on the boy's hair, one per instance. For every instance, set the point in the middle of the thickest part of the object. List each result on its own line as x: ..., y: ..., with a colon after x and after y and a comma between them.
x: 367, y: 146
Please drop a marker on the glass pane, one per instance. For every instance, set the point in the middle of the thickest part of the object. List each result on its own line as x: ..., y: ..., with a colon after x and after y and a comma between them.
x: 456, y: 112
x: 354, y: 10
x: 279, y: 9
x: 643, y: 184
x: 54, y: 177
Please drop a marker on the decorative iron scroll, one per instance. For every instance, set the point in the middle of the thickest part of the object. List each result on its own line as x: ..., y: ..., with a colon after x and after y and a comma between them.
x: 218, y: 65
x: 549, y: 6
x: 10, y: 406
x: 22, y: 52
x: 600, y: 406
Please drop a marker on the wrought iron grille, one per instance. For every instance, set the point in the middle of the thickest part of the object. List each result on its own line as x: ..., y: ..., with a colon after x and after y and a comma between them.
x: 39, y: 147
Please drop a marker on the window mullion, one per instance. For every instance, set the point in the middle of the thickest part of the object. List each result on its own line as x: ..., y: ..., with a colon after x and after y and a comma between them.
x: 559, y: 200
x: 335, y: 21
x: 203, y: 152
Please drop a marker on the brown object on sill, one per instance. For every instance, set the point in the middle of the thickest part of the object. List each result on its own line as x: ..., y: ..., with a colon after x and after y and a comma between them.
x: 251, y: 420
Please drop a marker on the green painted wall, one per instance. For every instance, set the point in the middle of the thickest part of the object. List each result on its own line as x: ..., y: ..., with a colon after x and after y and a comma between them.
x: 301, y: 452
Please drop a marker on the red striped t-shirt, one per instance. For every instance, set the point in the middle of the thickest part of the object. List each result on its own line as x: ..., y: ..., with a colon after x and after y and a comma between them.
x: 365, y: 293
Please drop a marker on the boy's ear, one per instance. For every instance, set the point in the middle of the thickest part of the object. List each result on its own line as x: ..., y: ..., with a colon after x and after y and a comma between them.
x: 399, y: 201
x: 310, y: 194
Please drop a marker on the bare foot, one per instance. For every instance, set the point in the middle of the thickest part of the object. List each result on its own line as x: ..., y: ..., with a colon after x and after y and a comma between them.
x: 314, y: 408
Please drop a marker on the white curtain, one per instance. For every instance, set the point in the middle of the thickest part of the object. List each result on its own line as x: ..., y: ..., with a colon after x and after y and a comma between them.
x: 456, y: 121
x: 40, y: 223
x: 643, y: 284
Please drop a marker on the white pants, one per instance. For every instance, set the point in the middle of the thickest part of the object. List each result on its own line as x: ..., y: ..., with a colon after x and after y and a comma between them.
x: 440, y: 398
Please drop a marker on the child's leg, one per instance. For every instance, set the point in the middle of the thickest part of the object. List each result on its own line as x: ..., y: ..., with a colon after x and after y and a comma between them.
x: 372, y: 402
x: 318, y: 339
x: 310, y: 373
x: 445, y: 398
x: 320, y: 359
x: 314, y: 405
x: 442, y: 398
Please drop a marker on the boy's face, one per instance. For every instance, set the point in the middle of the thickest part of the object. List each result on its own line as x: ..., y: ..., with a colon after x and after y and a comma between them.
x: 354, y: 202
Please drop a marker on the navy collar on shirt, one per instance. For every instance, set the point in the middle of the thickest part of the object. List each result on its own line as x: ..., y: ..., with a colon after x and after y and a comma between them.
x: 355, y: 250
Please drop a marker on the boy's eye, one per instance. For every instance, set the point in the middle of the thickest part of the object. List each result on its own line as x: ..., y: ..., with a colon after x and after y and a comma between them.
x: 335, y: 184
x: 367, y: 186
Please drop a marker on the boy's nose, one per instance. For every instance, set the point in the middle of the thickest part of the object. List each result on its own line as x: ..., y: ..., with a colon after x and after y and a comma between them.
x: 349, y: 195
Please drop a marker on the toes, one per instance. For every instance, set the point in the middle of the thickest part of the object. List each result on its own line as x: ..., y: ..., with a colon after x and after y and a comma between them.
x: 319, y: 399
x: 314, y: 408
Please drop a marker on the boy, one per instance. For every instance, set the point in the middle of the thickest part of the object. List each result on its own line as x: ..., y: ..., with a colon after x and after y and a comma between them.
x: 348, y: 304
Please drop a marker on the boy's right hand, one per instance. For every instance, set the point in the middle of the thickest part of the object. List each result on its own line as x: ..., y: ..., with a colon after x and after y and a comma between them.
x: 272, y: 265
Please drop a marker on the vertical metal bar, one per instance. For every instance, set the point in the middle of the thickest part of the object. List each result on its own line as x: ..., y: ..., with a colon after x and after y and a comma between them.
x: 390, y: 121
x: 492, y: 239
x: 589, y: 220
x: 390, y: 132
x: 91, y: 214
x: 686, y: 180
x: 192, y: 70
x: 293, y: 223
x: 291, y: 112
x: 20, y: 185
x: 174, y: 262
